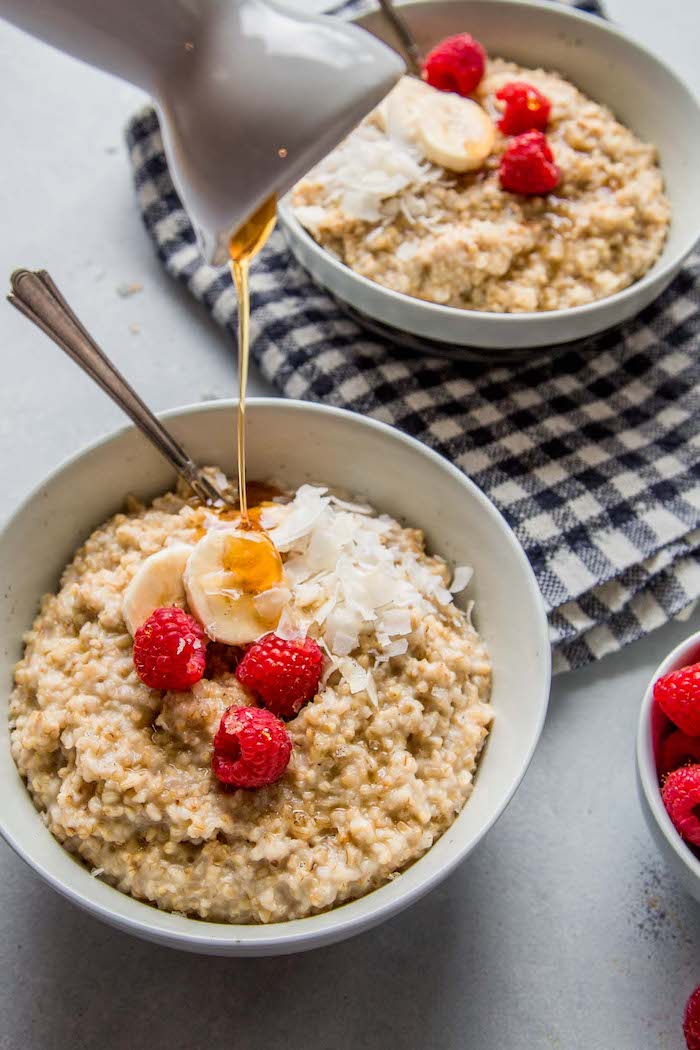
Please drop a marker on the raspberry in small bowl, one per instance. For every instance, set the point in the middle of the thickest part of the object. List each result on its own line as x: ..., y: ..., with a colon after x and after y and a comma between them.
x: 668, y: 761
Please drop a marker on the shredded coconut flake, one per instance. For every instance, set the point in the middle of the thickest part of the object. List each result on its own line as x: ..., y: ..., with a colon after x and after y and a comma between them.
x: 347, y: 580
x: 396, y: 648
x: 406, y: 250
x: 461, y: 579
x: 366, y: 170
x: 354, y: 508
x: 396, y: 621
x: 300, y: 517
x: 355, y: 675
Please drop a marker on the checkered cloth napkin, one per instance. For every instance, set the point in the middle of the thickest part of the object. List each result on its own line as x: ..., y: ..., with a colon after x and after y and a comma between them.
x: 592, y: 454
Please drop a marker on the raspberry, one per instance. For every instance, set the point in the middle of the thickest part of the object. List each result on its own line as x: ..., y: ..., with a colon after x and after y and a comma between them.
x: 527, y: 109
x: 681, y: 795
x: 678, y: 696
x: 527, y: 166
x: 678, y: 749
x: 170, y: 650
x: 283, y: 674
x: 691, y: 1021
x: 251, y: 748
x: 457, y: 64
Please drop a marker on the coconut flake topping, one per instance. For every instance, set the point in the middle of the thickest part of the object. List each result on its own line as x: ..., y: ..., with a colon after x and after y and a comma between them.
x: 347, y: 580
x: 367, y: 169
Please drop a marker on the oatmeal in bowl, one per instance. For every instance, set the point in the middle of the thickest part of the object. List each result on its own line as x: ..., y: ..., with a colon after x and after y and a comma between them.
x: 520, y: 195
x: 455, y: 223
x: 253, y: 755
x: 300, y: 715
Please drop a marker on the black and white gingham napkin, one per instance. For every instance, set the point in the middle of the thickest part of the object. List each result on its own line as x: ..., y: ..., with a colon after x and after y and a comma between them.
x: 592, y: 454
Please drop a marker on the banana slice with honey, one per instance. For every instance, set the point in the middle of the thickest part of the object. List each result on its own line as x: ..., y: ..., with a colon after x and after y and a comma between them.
x: 453, y: 132
x: 234, y: 581
x: 157, y: 583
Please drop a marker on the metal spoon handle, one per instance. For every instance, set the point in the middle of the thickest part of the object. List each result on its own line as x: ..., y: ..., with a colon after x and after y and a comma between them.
x: 408, y: 43
x: 37, y: 297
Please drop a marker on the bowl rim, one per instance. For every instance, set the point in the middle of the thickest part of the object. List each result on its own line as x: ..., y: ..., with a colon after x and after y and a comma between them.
x: 646, y: 765
x: 351, y: 917
x: 658, y: 272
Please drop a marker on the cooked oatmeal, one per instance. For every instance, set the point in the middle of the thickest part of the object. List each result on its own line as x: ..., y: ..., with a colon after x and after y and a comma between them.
x: 383, y: 758
x: 461, y: 240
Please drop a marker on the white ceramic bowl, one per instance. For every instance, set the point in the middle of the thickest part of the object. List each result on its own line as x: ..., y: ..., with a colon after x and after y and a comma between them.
x: 679, y: 857
x: 295, y: 442
x: 597, y: 57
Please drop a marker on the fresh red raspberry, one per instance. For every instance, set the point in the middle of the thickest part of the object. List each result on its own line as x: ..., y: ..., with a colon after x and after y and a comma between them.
x: 527, y: 109
x: 691, y: 1021
x: 678, y: 695
x: 678, y: 749
x: 251, y: 748
x: 457, y: 64
x: 527, y: 166
x: 170, y: 650
x: 681, y: 795
x: 283, y: 674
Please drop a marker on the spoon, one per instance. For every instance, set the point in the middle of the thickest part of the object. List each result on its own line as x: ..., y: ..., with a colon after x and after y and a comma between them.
x: 403, y: 32
x: 36, y: 296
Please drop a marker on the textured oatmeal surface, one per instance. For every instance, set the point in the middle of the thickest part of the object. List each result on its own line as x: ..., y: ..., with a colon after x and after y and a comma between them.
x: 460, y: 240
x: 122, y: 774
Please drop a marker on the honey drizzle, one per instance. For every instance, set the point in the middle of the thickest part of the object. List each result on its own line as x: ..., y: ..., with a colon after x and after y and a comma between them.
x: 243, y: 247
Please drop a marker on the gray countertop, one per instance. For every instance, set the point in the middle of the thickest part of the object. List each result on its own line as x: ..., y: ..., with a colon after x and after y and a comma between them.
x: 563, y: 930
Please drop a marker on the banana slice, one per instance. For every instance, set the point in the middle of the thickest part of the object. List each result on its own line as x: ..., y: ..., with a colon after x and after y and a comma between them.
x: 454, y: 132
x: 157, y: 583
x: 234, y: 583
x: 398, y: 114
x: 451, y: 131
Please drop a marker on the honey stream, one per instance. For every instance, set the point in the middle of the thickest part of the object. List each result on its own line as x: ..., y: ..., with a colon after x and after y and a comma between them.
x: 243, y: 247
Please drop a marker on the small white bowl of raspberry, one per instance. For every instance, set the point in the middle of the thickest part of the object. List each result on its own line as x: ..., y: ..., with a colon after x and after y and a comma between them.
x: 668, y: 761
